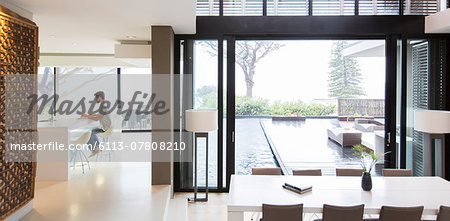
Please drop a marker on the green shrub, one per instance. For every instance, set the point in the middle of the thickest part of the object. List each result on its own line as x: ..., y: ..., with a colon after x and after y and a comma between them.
x: 319, y: 110
x: 209, y: 100
x: 206, y: 97
x: 246, y: 106
x: 289, y: 108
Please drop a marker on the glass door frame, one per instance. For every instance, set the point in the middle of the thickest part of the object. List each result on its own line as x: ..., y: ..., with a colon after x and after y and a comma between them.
x: 395, y: 157
x: 433, y: 90
x: 183, y: 55
x: 390, y: 91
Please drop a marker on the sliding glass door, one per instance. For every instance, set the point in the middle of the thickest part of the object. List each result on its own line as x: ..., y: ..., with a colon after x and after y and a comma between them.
x: 201, y: 72
x: 283, y: 103
x: 294, y: 98
x: 425, y: 88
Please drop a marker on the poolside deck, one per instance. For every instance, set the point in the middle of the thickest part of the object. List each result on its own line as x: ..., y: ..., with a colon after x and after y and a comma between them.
x: 302, y: 144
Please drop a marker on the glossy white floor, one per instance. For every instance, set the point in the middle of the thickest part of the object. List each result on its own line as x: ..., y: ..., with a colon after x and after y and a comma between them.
x: 108, y: 191
x: 215, y: 209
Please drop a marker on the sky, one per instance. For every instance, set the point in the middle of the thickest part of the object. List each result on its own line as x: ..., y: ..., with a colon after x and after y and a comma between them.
x: 298, y: 70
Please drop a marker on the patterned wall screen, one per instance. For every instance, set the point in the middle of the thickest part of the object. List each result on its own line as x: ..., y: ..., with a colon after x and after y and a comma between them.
x: 18, y: 59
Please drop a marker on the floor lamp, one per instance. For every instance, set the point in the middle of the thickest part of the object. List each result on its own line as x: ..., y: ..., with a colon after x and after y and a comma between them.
x: 200, y: 121
x: 437, y: 124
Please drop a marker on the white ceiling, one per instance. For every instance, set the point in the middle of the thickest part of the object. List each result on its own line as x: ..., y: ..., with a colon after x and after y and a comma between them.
x: 94, y: 26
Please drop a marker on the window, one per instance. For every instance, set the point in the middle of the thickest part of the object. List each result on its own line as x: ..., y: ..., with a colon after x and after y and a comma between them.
x: 135, y: 80
x: 46, y: 86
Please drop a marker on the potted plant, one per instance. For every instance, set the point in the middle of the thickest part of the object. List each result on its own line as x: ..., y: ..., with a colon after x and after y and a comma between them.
x: 346, y: 121
x: 347, y: 125
x: 368, y: 162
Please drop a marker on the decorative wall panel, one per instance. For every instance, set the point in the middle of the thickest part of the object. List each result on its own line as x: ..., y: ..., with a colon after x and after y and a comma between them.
x: 18, y: 59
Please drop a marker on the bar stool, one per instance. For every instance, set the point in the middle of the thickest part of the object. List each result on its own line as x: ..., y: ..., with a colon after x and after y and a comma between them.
x: 79, y: 152
x: 106, y: 138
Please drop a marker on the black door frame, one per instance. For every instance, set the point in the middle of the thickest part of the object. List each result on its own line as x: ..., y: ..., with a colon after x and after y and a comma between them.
x: 220, y: 87
x: 390, y: 90
x: 391, y: 102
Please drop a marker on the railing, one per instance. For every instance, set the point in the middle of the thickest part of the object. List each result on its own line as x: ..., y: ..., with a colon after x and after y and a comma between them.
x: 317, y: 7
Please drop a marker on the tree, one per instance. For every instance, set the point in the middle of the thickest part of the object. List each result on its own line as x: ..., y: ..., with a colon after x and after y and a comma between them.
x: 344, y: 79
x: 45, y: 83
x: 248, y: 54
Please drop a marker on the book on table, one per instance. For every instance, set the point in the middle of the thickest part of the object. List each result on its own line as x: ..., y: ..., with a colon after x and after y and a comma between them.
x: 297, y: 188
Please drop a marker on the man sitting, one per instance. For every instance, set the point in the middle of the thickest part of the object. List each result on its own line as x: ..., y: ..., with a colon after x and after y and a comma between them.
x: 104, y: 119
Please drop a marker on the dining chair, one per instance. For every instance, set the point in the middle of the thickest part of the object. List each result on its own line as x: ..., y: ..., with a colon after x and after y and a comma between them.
x: 391, y: 213
x: 282, y: 212
x: 308, y: 172
x: 342, y: 213
x: 266, y: 171
x: 443, y: 215
x: 396, y: 172
x: 348, y: 172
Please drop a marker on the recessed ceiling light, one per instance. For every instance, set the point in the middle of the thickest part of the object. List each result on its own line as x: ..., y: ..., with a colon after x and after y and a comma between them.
x: 74, y: 44
x: 52, y: 36
x: 131, y: 37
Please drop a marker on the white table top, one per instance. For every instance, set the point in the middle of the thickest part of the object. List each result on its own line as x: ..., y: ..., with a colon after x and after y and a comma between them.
x: 248, y: 193
x: 71, y: 123
x: 76, y: 125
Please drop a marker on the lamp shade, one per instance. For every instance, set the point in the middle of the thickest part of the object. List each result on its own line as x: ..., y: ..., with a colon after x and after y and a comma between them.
x: 201, y: 120
x: 432, y: 121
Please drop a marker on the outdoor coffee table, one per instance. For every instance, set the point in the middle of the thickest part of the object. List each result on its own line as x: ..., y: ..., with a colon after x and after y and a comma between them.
x: 344, y: 137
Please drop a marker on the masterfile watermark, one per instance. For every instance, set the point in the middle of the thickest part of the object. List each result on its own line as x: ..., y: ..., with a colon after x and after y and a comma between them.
x: 68, y: 107
x: 45, y: 117
x: 53, y: 146
x: 37, y: 146
x: 109, y: 146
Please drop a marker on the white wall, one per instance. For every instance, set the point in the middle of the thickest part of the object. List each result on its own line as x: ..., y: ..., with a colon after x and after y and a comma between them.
x: 21, y: 11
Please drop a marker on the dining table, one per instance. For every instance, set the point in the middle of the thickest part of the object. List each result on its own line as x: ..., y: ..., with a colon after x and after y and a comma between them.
x: 249, y: 192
